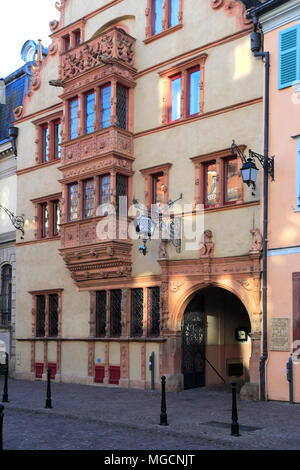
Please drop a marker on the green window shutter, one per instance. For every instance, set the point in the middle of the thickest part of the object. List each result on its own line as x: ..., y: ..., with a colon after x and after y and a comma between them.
x: 289, y: 51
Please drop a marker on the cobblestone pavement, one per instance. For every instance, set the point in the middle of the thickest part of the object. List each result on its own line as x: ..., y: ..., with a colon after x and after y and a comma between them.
x: 93, y: 417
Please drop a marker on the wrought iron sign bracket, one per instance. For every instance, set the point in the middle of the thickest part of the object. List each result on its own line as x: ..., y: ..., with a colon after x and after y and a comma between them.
x: 266, y: 163
x: 17, y: 221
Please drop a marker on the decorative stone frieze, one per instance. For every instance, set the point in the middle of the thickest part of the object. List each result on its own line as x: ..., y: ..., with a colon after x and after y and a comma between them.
x: 113, y: 44
x: 233, y: 9
x: 99, y: 143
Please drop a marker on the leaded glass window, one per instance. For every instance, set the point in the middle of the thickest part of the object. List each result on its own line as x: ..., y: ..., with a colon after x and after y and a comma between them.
x: 57, y: 140
x: 174, y: 12
x: 53, y: 315
x: 158, y: 16
x: 115, y: 313
x: 45, y: 143
x: 5, y: 299
x: 122, y: 194
x: 77, y: 35
x: 74, y: 119
x: 210, y: 184
x: 122, y: 112
x: 153, y: 311
x: 176, y: 98
x: 101, y: 300
x: 45, y: 220
x: 194, y: 91
x: 73, y: 202
x: 40, y: 316
x: 88, y: 199
x: 89, y: 112
x: 56, y: 216
x: 158, y: 188
x: 105, y: 106
x: 231, y: 180
x: 104, y: 194
x: 137, y: 301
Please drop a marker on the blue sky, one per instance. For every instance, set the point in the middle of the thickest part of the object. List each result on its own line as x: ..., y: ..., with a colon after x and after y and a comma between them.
x: 21, y: 20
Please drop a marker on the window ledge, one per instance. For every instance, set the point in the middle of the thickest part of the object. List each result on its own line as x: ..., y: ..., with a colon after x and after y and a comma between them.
x: 163, y: 33
x: 107, y: 339
x: 227, y: 207
x: 40, y: 240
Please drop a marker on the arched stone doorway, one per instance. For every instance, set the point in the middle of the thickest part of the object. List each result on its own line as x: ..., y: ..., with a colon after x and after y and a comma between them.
x: 216, y: 344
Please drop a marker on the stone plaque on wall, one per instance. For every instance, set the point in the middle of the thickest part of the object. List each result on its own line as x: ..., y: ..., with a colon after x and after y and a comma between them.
x: 280, y: 334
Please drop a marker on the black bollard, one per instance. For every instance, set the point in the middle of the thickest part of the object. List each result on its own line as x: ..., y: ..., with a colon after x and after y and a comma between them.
x: 5, y: 390
x: 48, y: 400
x: 234, y: 424
x: 1, y: 426
x: 163, y: 414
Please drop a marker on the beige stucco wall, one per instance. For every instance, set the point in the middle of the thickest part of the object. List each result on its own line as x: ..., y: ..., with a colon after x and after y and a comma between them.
x: 135, y: 361
x: 53, y: 275
x: 197, y: 31
x: 74, y: 361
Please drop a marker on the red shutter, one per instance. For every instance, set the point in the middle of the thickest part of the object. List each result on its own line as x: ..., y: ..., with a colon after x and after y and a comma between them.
x: 114, y: 374
x: 99, y: 374
x: 296, y: 309
x: 52, y: 367
x: 39, y: 369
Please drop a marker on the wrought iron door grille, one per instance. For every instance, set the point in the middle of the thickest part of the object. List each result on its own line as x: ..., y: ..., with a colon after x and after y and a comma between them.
x: 101, y: 314
x: 193, y: 345
x: 53, y: 315
x: 40, y: 316
x: 137, y: 301
x: 122, y: 107
x: 115, y: 313
x: 153, y: 311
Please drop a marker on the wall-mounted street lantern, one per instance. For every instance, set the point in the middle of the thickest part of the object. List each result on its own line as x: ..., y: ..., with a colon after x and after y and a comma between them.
x: 17, y: 221
x: 249, y: 169
x: 13, y: 133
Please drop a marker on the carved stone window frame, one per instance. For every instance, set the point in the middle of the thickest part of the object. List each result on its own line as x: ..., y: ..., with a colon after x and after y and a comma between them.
x: 219, y: 158
x: 71, y: 31
x: 112, y: 172
x: 112, y: 80
x: 46, y: 293
x: 183, y: 69
x: 38, y: 218
x: 148, y: 174
x: 126, y: 311
x: 166, y: 29
x: 49, y: 121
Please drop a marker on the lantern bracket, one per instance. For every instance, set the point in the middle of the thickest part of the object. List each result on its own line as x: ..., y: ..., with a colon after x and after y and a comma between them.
x: 266, y: 162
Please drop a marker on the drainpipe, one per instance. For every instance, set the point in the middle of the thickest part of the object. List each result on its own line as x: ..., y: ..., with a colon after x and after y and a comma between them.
x: 256, y: 47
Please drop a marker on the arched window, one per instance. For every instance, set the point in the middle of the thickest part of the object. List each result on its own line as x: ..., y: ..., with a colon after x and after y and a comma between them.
x: 5, y: 299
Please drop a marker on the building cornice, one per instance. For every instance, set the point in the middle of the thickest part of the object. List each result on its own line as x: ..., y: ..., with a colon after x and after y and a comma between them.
x: 280, y: 16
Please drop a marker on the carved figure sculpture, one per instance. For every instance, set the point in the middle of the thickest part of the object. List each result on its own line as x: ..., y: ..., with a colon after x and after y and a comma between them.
x: 208, y: 247
x: 257, y: 243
